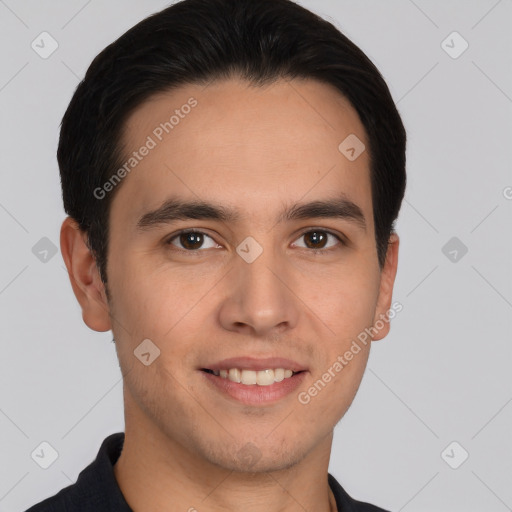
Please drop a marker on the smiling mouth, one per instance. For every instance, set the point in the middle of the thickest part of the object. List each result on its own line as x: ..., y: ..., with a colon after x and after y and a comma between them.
x: 253, y: 377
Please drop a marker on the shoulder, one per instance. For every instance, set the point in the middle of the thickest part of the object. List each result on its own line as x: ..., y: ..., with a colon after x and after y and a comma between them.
x: 96, y: 489
x: 69, y: 498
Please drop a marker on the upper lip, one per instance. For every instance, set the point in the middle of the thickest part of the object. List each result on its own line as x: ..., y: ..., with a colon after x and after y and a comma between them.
x: 252, y: 363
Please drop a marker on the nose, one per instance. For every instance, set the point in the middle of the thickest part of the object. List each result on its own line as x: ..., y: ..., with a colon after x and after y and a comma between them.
x: 259, y: 298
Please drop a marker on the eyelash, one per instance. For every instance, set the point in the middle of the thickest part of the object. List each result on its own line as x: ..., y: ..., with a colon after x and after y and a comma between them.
x: 310, y: 230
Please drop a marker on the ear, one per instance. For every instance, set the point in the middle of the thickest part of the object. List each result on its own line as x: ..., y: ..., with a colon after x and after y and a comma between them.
x: 84, y: 276
x: 387, y: 281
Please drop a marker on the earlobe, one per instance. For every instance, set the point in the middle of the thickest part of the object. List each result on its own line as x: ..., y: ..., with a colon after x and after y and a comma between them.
x: 388, y: 274
x: 84, y: 276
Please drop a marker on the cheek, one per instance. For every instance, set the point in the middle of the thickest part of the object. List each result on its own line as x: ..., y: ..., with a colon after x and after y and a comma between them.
x: 150, y: 299
x: 344, y: 299
x: 328, y: 394
x: 345, y: 303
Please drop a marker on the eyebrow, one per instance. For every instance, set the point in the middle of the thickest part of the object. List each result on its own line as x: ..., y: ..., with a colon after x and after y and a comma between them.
x: 176, y: 209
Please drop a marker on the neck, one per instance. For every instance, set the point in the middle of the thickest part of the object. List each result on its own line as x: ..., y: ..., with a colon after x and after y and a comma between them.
x: 155, y: 471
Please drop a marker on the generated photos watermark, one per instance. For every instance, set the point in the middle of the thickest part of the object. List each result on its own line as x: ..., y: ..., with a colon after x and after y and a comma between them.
x: 304, y: 397
x: 152, y: 141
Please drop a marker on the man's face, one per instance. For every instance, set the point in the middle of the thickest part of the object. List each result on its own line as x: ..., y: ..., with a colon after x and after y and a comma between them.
x: 212, y: 296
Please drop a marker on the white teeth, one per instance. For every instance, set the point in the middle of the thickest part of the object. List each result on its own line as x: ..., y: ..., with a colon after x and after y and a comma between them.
x: 278, y: 374
x: 248, y: 377
x: 251, y: 377
x: 234, y: 375
x: 265, y: 377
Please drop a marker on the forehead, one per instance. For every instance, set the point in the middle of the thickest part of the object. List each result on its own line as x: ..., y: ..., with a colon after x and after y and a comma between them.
x: 251, y: 147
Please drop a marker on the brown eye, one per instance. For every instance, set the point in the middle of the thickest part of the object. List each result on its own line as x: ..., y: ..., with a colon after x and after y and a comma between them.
x: 317, y: 240
x: 190, y: 240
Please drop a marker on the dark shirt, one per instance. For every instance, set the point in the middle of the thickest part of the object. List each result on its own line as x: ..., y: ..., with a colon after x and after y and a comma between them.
x: 96, y: 489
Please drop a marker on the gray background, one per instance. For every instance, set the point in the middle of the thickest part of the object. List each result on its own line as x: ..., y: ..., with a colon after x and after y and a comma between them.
x: 442, y: 374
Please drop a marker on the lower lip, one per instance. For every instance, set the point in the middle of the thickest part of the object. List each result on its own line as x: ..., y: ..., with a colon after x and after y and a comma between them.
x: 254, y: 394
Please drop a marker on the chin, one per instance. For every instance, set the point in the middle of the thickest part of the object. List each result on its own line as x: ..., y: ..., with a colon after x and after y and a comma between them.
x: 264, y: 465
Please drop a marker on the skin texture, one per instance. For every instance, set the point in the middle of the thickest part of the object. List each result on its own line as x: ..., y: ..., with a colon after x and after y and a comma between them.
x: 255, y: 149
